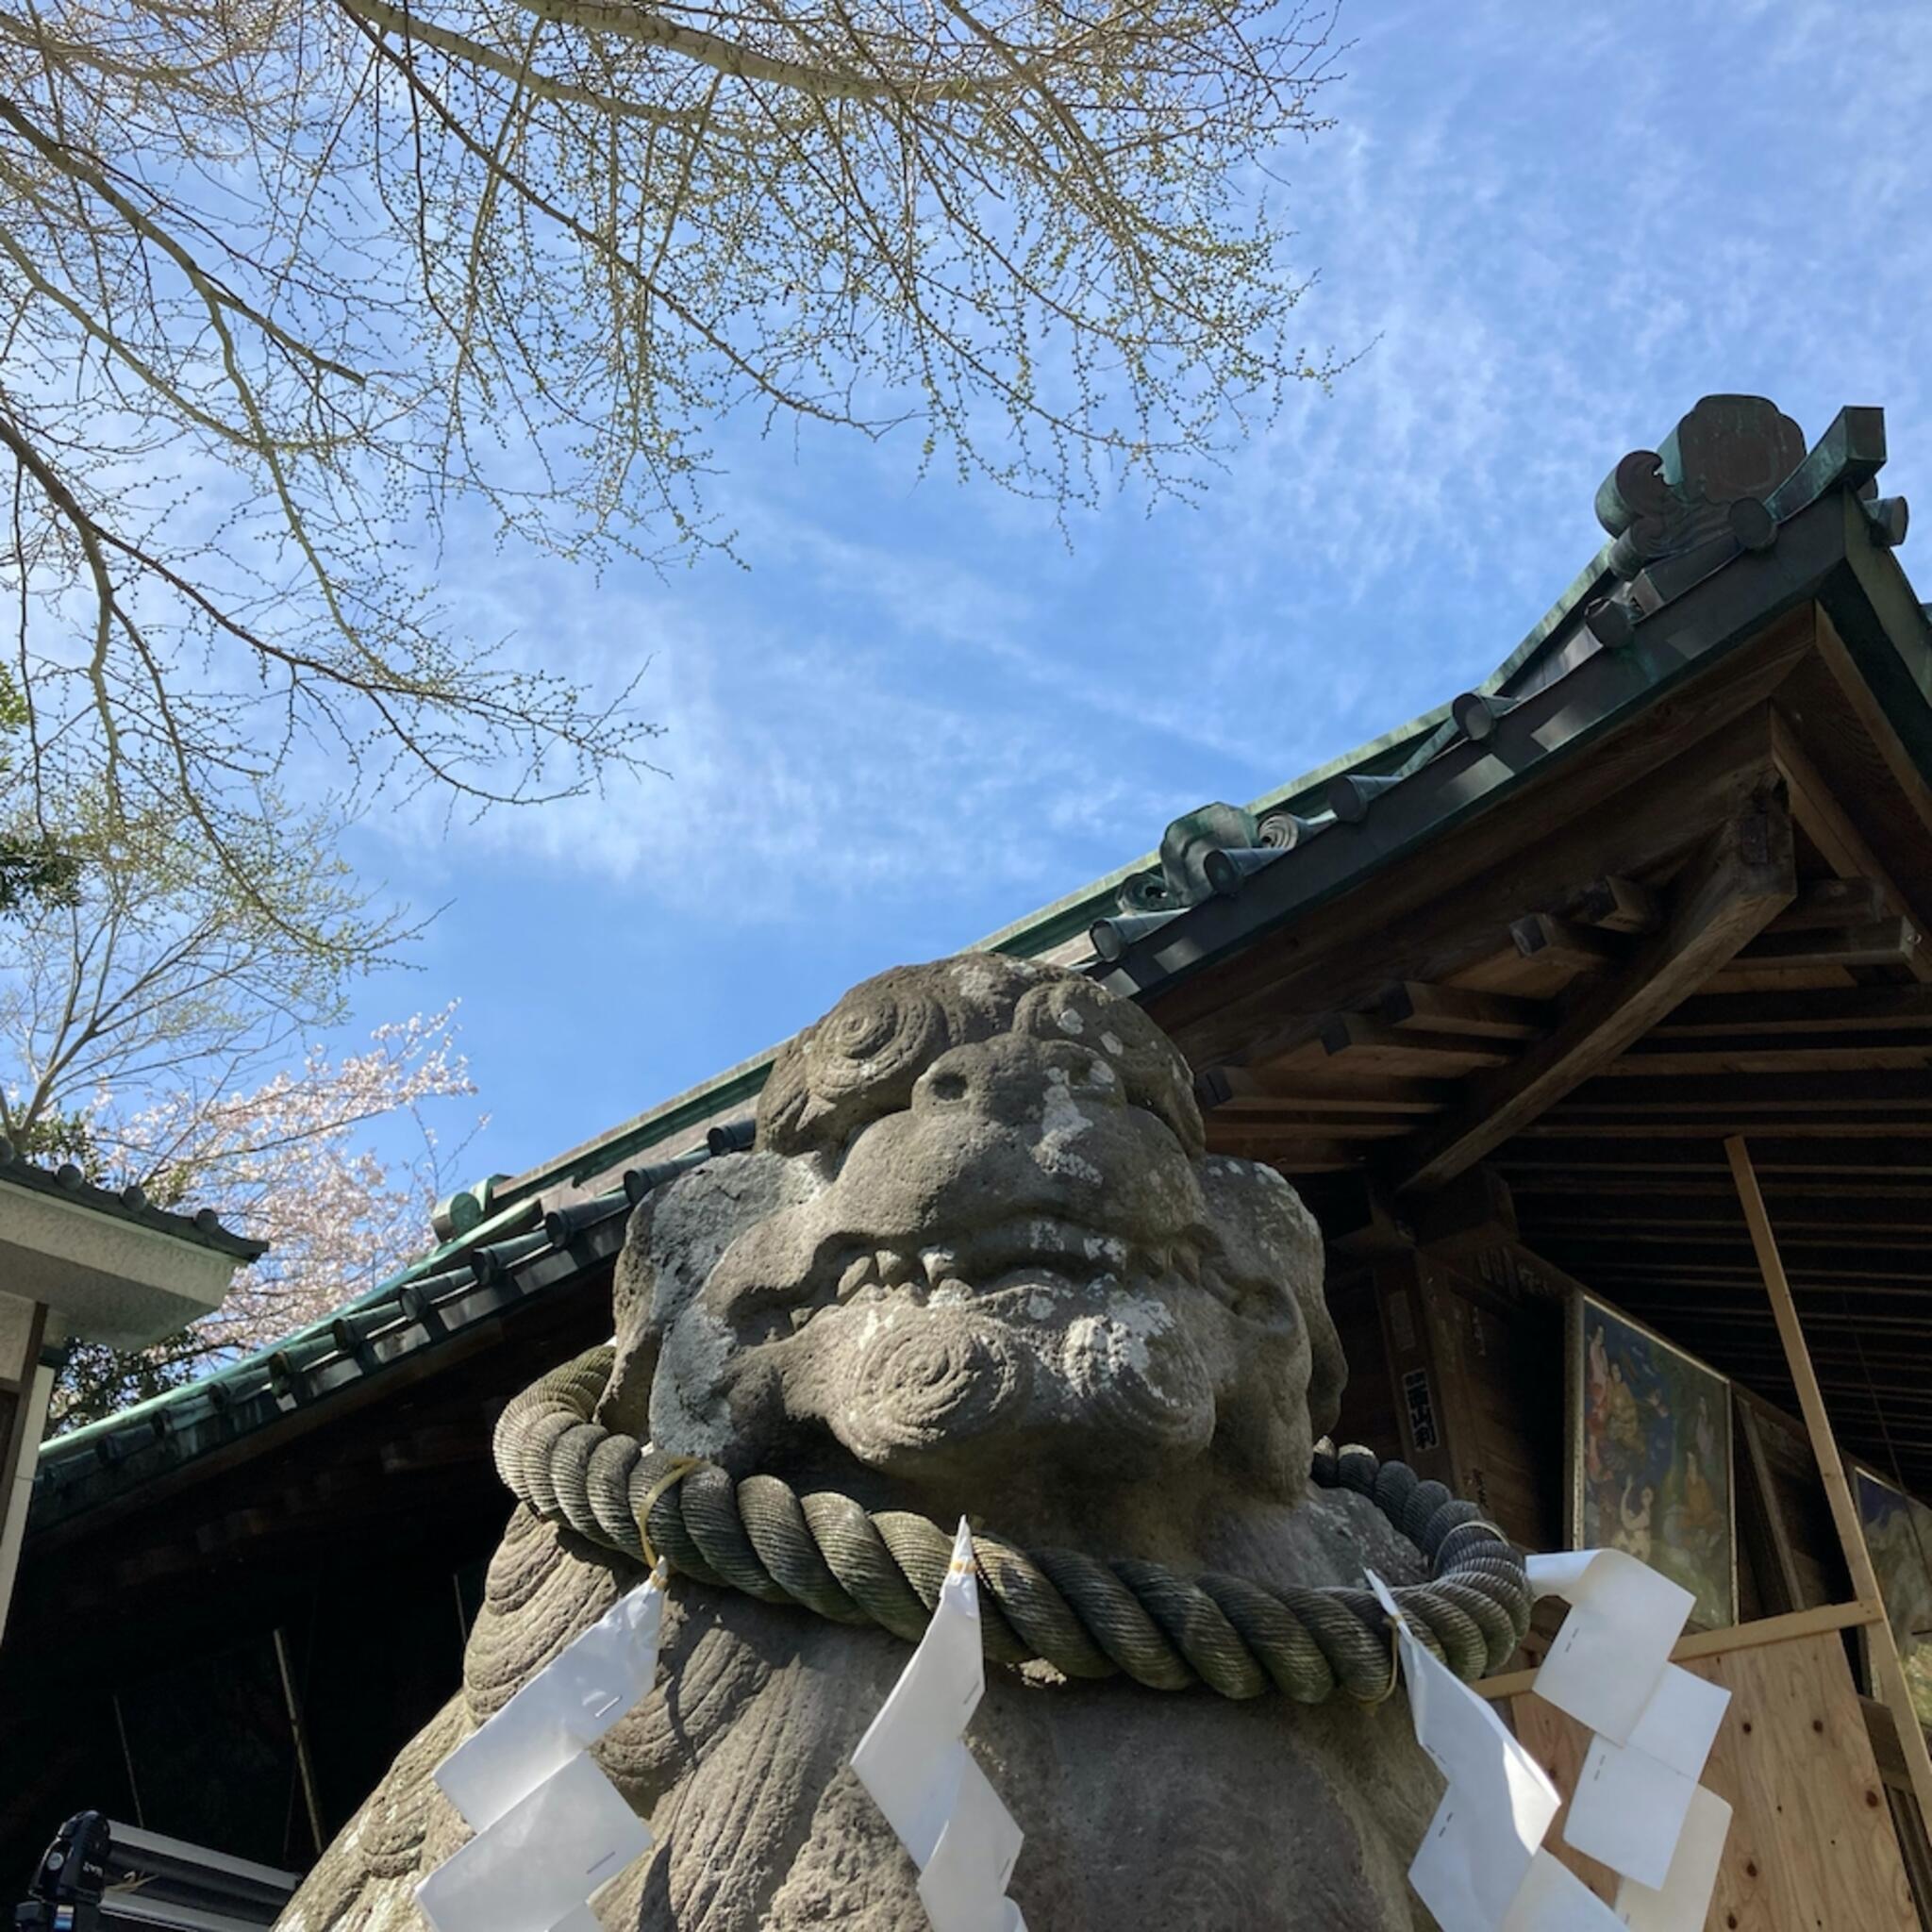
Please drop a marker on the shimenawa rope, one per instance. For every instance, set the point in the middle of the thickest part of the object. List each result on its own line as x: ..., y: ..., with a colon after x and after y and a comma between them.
x: 1086, y: 1617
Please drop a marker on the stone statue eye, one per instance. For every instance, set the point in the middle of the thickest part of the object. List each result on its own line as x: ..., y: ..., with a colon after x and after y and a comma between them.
x: 1121, y: 1038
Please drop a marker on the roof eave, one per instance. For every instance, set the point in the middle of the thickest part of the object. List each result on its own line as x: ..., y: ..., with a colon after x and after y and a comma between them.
x: 1546, y: 730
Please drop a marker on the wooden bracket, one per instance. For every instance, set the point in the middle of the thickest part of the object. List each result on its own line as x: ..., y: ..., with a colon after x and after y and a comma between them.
x: 1825, y: 822
x: 1474, y: 1212
x: 1740, y: 881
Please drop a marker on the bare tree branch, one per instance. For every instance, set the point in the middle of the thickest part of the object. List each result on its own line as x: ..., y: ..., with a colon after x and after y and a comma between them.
x: 293, y: 291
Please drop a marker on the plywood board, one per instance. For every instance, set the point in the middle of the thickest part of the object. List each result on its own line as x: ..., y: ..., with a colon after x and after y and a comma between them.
x: 1812, y: 1847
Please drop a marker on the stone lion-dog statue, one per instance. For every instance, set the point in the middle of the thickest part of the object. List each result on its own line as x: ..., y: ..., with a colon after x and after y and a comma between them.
x: 979, y: 1263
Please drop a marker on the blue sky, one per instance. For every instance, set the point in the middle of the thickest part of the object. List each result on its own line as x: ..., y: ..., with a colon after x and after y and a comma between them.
x: 919, y: 712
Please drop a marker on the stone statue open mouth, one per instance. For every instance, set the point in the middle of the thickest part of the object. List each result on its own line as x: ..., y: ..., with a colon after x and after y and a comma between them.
x: 1029, y: 1268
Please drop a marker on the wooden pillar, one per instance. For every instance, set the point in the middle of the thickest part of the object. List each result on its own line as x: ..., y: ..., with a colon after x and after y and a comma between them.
x: 26, y: 1385
x: 298, y: 1731
x: 1838, y: 1490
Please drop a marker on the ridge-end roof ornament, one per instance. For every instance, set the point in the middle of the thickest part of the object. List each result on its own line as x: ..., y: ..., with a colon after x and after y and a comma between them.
x: 1192, y: 850
x: 1709, y: 478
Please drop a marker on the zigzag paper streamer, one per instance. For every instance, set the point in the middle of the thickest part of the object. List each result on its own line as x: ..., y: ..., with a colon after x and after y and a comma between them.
x: 1482, y: 1867
x: 1609, y: 1668
x: 920, y: 1773
x: 1638, y: 1807
x: 550, y: 1827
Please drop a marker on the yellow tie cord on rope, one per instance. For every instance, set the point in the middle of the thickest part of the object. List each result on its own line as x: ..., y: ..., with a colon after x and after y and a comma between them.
x: 680, y: 1467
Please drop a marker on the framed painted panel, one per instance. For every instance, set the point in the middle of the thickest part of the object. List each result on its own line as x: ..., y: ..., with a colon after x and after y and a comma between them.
x: 1898, y: 1532
x: 1649, y: 1447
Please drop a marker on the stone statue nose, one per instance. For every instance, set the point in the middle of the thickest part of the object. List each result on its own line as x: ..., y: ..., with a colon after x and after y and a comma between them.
x: 1021, y: 1082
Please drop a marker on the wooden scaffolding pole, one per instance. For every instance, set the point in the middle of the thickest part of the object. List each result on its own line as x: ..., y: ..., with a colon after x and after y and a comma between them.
x: 1838, y: 1490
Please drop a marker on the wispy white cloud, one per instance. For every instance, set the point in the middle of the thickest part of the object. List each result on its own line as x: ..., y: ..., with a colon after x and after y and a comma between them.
x: 1549, y: 232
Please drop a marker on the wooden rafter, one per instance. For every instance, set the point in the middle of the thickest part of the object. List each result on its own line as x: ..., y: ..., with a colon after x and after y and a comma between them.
x: 1563, y: 942
x: 1244, y: 1090
x: 1741, y: 879
x: 1772, y: 1054
x: 1617, y: 905
x: 1869, y: 709
x: 1826, y: 1009
x: 1893, y: 941
x: 1454, y: 1009
x: 1824, y: 820
x: 1634, y: 1089
x: 1834, y: 903
x: 1371, y: 1044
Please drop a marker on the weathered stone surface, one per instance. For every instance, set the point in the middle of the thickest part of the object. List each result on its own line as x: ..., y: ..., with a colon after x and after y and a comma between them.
x: 979, y: 1263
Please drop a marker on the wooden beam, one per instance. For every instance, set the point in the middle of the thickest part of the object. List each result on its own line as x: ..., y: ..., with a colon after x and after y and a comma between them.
x: 1637, y: 805
x: 1733, y: 887
x: 1617, y: 905
x: 1238, y: 1089
x: 1823, y: 903
x: 1908, y: 1284
x: 1373, y: 1043
x: 1699, y: 1643
x: 1614, y: 1210
x: 1831, y: 1469
x: 1294, y: 1150
x: 1452, y: 1009
x: 1819, y: 1256
x: 1771, y: 1054
x: 1792, y: 1092
x: 1904, y: 1160
x: 1885, y: 943
x: 1691, y: 1123
x: 1824, y: 820
x: 1827, y: 1009
x: 1869, y: 706
x: 1555, y: 942
x: 1279, y: 1118
x: 1900, y: 1164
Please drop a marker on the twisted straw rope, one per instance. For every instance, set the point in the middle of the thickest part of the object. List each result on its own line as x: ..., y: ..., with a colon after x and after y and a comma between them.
x: 1085, y: 1617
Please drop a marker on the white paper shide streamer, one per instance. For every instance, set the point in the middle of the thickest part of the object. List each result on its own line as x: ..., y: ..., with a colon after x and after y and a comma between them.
x: 914, y: 1762
x: 1638, y: 1807
x: 1482, y: 1867
x: 550, y: 1827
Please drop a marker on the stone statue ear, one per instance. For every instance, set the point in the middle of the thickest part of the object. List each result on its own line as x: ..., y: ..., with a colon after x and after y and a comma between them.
x: 625, y: 1404
x: 1327, y: 1366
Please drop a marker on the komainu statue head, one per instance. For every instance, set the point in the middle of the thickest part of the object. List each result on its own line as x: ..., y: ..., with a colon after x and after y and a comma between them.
x: 978, y: 1261
x: 980, y: 1232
